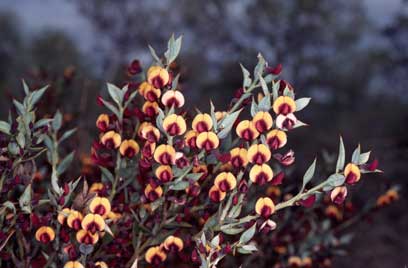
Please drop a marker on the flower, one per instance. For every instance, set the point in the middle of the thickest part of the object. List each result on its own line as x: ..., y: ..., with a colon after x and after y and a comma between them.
x: 352, y: 173
x: 97, y: 187
x: 215, y: 194
x: 276, y: 139
x: 207, y: 141
x: 111, y: 139
x: 190, y: 138
x: 158, y: 76
x: 202, y: 123
x: 74, y: 219
x: 246, y: 130
x: 264, y: 207
x: 62, y: 216
x: 101, y: 264
x: 150, y: 108
x: 261, y: 174
x: 87, y: 237
x: 259, y: 154
x: 153, y: 193
x: 263, y: 121
x: 333, y: 212
x: 129, y: 148
x: 93, y: 223
x: 155, y: 255
x: 225, y: 181
x: 174, y: 125
x: 338, y: 194
x: 165, y: 154
x: 73, y: 264
x: 286, y: 121
x: 45, y: 234
x: 164, y: 173
x: 173, y: 243
x: 149, y: 132
x: 284, y: 105
x: 150, y: 93
x: 239, y: 157
x: 102, y: 122
x: 100, y: 205
x: 173, y: 98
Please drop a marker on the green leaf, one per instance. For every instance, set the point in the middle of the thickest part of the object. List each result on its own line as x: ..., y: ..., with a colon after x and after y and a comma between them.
x: 67, y: 134
x: 21, y: 140
x: 275, y: 90
x: 5, y: 127
x: 13, y: 148
x: 302, y: 103
x: 25, y: 87
x: 25, y: 200
x: 265, y: 103
x: 264, y: 86
x: 309, y: 174
x: 227, y: 123
x: 62, y: 167
x: 247, y: 80
x: 250, y: 248
x: 42, y: 122
x: 36, y: 95
x: 116, y: 94
x: 259, y: 68
x: 213, y: 118
x: 57, y: 122
x: 254, y: 108
x: 20, y: 107
x: 112, y: 108
x: 356, y: 155
x: 154, y: 55
x: 232, y: 230
x: 341, y: 158
x: 336, y: 179
x: 178, y: 186
x: 106, y: 174
x: 364, y: 158
x: 247, y: 235
x: 173, y: 49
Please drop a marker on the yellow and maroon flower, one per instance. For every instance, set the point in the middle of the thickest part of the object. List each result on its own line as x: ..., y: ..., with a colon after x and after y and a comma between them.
x: 216, y: 195
x: 158, y: 76
x: 264, y: 207
x: 155, y: 255
x: 129, y: 148
x: 73, y: 264
x: 74, y: 219
x: 239, y: 157
x: 153, y: 194
x: 276, y: 139
x: 101, y: 264
x: 149, y: 132
x: 164, y: 173
x: 333, y: 212
x: 352, y: 173
x: 246, y: 130
x: 100, y: 205
x: 173, y: 244
x: 202, y: 168
x: 173, y: 98
x: 225, y: 181
x: 258, y: 154
x: 150, y: 93
x: 111, y: 139
x: 165, y: 154
x: 93, y: 223
x: 307, y: 262
x: 190, y: 138
x: 386, y: 199
x: 63, y: 215
x: 142, y: 88
x: 148, y: 150
x: 261, y: 174
x: 87, y: 237
x: 97, y: 187
x: 150, y: 108
x: 284, y: 105
x: 45, y: 234
x: 294, y: 262
x: 338, y: 194
x: 102, y: 122
x: 174, y: 125
x: 202, y: 123
x: 207, y: 141
x: 263, y: 121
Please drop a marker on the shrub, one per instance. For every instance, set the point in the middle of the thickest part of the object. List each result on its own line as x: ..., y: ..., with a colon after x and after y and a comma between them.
x: 175, y: 187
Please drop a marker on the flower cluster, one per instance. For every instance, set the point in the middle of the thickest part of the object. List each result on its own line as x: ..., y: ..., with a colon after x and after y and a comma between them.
x: 172, y: 186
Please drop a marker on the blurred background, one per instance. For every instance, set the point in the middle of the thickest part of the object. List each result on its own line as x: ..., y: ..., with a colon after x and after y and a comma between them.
x: 350, y: 56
